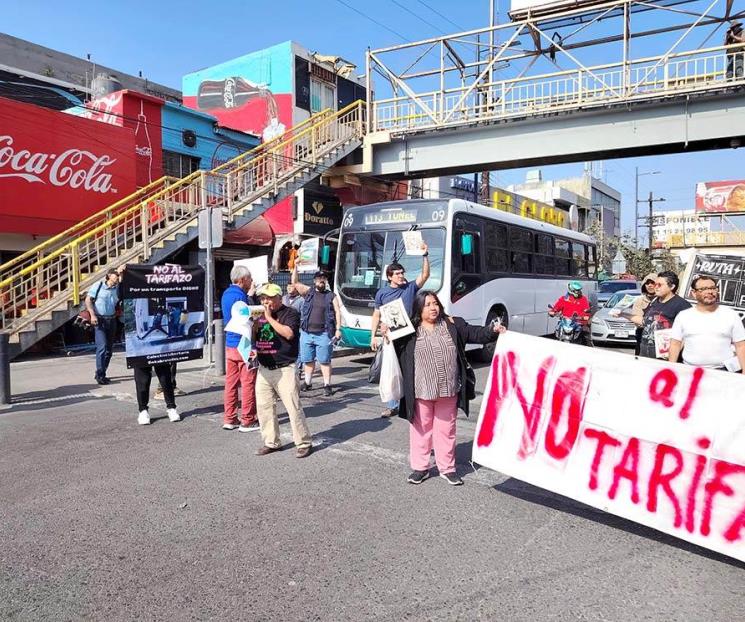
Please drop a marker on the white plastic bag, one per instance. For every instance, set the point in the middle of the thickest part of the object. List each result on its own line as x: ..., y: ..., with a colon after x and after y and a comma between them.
x: 391, y: 382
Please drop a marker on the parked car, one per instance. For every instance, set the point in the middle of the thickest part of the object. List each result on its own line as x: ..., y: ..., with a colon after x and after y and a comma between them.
x: 604, y: 328
x: 607, y: 288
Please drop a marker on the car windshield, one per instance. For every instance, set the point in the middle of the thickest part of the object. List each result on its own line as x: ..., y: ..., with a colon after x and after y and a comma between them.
x: 618, y: 297
x: 364, y: 255
x: 610, y: 287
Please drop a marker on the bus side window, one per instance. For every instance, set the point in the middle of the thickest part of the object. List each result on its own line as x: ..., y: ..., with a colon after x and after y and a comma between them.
x: 579, y: 265
x: 563, y: 257
x: 470, y: 263
x: 543, y: 260
x: 521, y: 247
x: 591, y: 262
x: 497, y: 247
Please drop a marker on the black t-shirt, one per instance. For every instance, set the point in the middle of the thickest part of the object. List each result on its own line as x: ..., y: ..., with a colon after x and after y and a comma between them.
x: 273, y: 349
x: 317, y: 317
x: 659, y: 316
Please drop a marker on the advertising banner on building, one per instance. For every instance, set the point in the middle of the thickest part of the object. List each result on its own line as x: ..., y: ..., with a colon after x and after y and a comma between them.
x: 719, y: 197
x: 321, y: 213
x: 683, y: 224
x: 669, y: 455
x: 163, y: 313
x: 57, y: 169
x: 252, y: 93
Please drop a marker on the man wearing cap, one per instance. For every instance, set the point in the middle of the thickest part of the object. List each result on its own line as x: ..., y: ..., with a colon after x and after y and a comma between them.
x: 237, y: 371
x: 276, y: 335
x: 320, y: 319
x: 735, y: 56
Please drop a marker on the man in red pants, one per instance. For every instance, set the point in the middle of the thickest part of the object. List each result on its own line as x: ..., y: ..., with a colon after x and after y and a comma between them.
x: 237, y: 371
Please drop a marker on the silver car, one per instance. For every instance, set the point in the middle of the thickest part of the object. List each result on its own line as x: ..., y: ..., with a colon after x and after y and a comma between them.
x: 605, y: 328
x: 606, y: 289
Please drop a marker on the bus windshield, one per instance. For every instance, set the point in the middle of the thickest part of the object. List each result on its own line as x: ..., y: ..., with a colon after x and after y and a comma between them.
x: 364, y: 255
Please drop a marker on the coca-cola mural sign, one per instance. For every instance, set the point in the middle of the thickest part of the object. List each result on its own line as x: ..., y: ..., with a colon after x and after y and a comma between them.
x: 57, y: 169
x: 76, y: 168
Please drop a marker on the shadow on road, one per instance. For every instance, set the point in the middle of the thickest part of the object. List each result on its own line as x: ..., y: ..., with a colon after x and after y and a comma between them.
x: 521, y: 490
x: 40, y: 400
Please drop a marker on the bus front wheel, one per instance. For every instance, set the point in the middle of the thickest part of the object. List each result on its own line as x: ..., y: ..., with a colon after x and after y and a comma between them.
x: 486, y: 354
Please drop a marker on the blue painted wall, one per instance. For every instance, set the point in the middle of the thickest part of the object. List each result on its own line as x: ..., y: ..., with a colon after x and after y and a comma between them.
x: 214, y: 146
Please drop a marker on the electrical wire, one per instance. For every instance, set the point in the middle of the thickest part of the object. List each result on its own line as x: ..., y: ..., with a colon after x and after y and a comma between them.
x: 436, y: 12
x: 419, y: 17
x: 374, y: 21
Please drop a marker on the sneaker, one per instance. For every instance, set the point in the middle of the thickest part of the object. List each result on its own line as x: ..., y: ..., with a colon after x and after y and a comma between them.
x: 452, y: 479
x: 229, y: 426
x: 144, y: 418
x: 158, y: 394
x: 306, y: 386
x: 173, y: 415
x: 327, y: 391
x: 417, y: 477
x: 251, y: 427
x: 304, y: 452
x: 265, y: 450
x: 177, y: 391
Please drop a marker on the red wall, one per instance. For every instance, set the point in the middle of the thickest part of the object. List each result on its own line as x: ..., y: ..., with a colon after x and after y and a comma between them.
x: 142, y: 114
x: 56, y: 169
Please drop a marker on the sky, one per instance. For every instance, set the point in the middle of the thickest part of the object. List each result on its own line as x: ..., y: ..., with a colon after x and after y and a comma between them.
x: 166, y: 39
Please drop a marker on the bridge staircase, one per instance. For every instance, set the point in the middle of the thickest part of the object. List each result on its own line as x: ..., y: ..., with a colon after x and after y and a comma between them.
x: 44, y: 288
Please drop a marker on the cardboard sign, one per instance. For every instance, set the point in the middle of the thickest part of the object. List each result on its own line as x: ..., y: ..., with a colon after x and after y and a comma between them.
x: 667, y: 449
x: 307, y: 255
x: 163, y: 313
x: 413, y: 242
x: 394, y: 316
x: 258, y: 267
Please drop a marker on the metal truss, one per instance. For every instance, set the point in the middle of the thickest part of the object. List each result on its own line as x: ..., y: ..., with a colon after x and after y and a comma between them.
x: 597, y: 54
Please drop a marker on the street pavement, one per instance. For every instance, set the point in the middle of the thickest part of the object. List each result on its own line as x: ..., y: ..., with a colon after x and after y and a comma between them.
x: 102, y: 519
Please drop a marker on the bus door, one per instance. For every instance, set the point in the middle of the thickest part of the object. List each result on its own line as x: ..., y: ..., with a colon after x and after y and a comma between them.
x: 467, y: 274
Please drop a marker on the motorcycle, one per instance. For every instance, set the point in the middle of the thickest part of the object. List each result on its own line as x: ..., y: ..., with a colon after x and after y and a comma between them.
x: 571, y: 329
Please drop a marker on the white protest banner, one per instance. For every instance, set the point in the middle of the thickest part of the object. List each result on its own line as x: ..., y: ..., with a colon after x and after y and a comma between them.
x: 258, y: 266
x: 653, y: 442
x: 307, y: 255
x: 413, y: 242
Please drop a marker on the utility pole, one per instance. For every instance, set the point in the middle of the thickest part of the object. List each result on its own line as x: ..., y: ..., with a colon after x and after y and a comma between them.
x: 651, y: 202
x: 637, y: 201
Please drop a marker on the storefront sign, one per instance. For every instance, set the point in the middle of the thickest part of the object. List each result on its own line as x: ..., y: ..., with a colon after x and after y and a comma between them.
x: 528, y: 208
x: 669, y: 455
x: 321, y: 214
x: 163, y: 313
x: 56, y: 169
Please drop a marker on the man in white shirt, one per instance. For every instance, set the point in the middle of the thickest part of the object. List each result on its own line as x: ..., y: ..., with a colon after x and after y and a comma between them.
x: 713, y: 335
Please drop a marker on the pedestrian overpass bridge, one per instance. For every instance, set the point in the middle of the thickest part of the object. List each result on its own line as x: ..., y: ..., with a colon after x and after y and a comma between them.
x: 666, y: 104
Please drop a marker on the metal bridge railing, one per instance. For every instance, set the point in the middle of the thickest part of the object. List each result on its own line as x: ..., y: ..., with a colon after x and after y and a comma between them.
x: 649, y: 78
x: 63, y: 268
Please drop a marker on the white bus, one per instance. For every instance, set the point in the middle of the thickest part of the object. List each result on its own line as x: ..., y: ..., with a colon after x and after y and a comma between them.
x: 485, y: 263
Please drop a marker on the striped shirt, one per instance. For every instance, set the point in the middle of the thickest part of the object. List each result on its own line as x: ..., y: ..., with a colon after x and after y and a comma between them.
x: 435, y: 363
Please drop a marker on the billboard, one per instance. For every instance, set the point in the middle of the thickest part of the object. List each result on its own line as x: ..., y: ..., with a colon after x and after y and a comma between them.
x: 549, y: 6
x: 720, y: 197
x: 252, y: 93
x: 57, y: 169
x: 684, y: 223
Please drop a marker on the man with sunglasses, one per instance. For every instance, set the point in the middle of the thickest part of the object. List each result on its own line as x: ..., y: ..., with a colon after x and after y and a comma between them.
x: 713, y: 335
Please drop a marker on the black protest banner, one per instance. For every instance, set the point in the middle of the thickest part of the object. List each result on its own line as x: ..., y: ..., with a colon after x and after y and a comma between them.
x: 163, y: 313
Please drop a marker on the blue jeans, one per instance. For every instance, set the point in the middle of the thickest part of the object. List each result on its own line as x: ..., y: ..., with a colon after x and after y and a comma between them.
x: 104, y: 333
x: 315, y: 347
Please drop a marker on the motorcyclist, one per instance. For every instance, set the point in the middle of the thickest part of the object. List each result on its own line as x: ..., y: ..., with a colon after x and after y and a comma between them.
x: 574, y: 303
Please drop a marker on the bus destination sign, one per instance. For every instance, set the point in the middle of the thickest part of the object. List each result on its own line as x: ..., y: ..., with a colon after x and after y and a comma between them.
x: 390, y: 217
